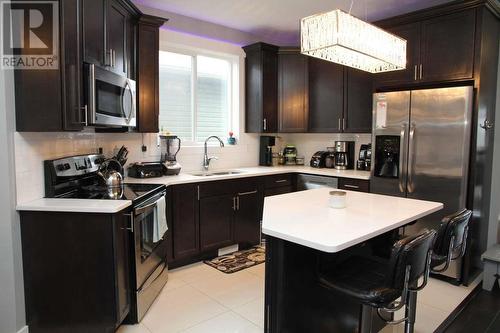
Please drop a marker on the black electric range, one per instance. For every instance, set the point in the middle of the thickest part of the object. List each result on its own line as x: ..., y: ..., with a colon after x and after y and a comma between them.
x: 76, y: 177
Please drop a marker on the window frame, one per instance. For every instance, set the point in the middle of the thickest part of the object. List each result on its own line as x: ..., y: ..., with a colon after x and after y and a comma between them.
x: 233, y: 86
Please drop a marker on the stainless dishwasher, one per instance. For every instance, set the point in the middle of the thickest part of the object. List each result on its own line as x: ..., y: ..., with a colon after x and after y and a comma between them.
x: 309, y: 182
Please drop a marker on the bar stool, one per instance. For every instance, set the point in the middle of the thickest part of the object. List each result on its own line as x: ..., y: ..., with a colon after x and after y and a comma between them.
x: 451, y: 240
x: 386, y: 285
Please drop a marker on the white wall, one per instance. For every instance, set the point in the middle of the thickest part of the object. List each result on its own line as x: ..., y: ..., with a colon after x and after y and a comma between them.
x: 12, y: 317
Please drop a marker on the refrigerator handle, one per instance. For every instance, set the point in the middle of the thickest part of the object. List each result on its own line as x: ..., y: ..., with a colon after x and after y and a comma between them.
x: 411, y: 159
x: 402, y: 173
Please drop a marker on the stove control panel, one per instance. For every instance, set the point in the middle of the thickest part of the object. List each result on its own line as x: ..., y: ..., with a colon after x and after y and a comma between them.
x: 74, y: 166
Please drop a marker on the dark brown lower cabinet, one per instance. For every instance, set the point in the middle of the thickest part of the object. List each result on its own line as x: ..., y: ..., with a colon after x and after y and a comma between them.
x: 351, y: 184
x: 247, y: 218
x: 216, y: 221
x: 185, y: 223
x: 76, y: 271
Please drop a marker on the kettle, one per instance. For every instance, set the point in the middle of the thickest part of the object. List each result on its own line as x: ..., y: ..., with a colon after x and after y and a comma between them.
x: 109, y: 175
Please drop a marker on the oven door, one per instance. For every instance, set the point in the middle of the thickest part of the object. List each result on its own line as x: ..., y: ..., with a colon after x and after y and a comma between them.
x: 110, y: 98
x: 148, y: 253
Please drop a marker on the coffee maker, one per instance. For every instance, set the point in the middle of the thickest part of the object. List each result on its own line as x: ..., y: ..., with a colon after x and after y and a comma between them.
x: 365, y: 157
x: 170, y: 146
x: 344, y: 155
x: 266, y: 150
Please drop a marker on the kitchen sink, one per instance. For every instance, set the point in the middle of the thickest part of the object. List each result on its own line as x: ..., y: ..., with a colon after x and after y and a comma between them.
x: 217, y: 173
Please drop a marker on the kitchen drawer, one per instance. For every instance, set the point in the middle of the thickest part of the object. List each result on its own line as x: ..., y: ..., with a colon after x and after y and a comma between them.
x: 222, y: 187
x: 278, y: 181
x: 278, y: 190
x: 354, y: 184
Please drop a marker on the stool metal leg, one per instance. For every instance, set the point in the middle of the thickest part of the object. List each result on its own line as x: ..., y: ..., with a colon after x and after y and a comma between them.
x: 411, y: 312
x: 365, y: 325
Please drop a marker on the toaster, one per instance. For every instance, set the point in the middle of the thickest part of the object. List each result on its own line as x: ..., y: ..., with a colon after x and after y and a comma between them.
x: 318, y: 159
x: 147, y: 170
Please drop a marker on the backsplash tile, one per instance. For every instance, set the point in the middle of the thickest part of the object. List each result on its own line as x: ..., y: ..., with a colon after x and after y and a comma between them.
x: 31, y: 149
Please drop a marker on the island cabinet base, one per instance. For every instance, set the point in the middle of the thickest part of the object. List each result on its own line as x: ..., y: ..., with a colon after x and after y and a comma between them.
x: 295, y: 302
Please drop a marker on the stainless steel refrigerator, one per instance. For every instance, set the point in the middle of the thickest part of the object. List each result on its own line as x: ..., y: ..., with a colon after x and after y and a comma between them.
x: 421, y: 143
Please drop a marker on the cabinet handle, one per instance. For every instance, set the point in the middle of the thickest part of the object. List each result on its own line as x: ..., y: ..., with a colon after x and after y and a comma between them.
x: 340, y: 125
x: 237, y: 203
x: 114, y: 58
x: 234, y: 203
x: 131, y: 229
x: 198, y: 192
x: 343, y: 124
x: 247, y: 193
x: 415, y: 73
x: 351, y: 186
x: 265, y: 124
x: 109, y: 59
x: 421, y: 71
x: 85, y: 115
x: 279, y: 181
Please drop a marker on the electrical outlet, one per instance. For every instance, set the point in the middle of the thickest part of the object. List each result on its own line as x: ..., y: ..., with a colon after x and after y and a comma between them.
x: 144, y: 148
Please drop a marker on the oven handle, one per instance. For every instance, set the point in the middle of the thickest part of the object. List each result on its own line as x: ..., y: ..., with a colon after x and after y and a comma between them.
x: 92, y: 95
x: 146, y: 286
x: 155, y: 199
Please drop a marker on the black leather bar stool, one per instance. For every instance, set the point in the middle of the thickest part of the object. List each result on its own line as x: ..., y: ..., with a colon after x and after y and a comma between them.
x: 386, y: 285
x: 451, y: 240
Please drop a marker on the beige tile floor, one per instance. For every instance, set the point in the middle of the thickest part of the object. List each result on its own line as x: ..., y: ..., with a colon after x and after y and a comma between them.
x: 200, y: 299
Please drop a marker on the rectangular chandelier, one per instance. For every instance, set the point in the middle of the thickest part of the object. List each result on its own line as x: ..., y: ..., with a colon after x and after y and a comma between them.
x: 344, y: 39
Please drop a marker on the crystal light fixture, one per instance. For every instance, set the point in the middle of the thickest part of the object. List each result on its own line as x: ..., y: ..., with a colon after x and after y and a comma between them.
x: 339, y: 37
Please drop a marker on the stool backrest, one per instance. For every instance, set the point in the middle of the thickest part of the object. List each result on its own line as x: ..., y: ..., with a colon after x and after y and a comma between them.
x: 413, y: 251
x: 453, y: 228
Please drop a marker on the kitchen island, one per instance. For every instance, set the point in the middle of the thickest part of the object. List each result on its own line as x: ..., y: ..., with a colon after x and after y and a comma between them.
x: 305, y: 234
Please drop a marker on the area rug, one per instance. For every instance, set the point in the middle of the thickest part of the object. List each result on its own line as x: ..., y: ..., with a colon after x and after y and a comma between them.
x: 239, y: 260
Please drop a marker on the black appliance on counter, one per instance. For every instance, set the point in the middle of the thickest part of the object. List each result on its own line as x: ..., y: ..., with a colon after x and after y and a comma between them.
x: 365, y: 157
x: 266, y: 150
x: 147, y: 170
x: 318, y: 160
x: 170, y: 146
x: 76, y: 177
x: 344, y: 155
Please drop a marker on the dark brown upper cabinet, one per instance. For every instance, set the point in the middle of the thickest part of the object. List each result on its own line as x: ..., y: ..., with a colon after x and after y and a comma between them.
x: 358, y: 91
x: 447, y: 51
x: 148, y: 39
x: 108, y: 31
x: 326, y: 97
x: 49, y: 100
x: 93, y: 12
x: 261, y: 88
x: 292, y: 92
x: 410, y: 32
x: 340, y: 98
x: 439, y: 49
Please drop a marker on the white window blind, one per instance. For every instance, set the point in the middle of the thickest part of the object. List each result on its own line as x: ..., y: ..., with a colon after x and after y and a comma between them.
x: 195, y: 95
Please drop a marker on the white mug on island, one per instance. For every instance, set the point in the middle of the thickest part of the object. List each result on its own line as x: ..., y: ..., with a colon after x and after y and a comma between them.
x: 337, y: 199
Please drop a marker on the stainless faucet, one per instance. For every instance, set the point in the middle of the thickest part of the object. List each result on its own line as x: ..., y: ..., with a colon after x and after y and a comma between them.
x: 206, y: 159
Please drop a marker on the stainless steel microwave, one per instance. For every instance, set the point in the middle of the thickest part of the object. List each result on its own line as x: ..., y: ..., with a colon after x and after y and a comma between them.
x: 110, y: 98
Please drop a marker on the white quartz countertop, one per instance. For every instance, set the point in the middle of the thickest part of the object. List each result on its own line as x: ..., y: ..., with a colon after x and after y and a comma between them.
x: 305, y: 218
x: 187, y: 177
x: 113, y: 206
x: 75, y: 205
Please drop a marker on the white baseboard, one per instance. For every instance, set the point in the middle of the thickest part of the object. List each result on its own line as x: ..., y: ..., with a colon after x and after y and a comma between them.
x: 23, y: 330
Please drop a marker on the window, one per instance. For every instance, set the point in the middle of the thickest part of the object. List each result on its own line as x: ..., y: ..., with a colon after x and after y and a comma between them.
x: 195, y: 95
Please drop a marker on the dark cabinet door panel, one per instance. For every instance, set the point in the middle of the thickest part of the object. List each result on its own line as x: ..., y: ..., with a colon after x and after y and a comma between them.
x: 122, y: 267
x: 216, y: 221
x: 292, y: 92
x: 326, y: 100
x: 248, y: 217
x: 185, y: 221
x: 117, y: 21
x: 93, y: 31
x: 410, y: 32
x: 148, y: 79
x: 352, y: 184
x: 358, y: 108
x: 448, y: 47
